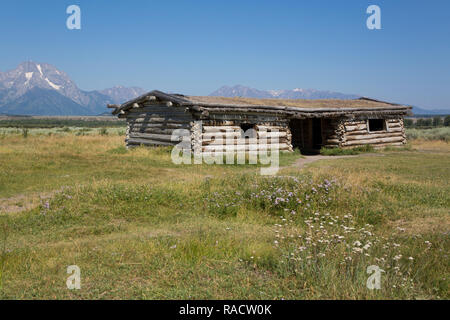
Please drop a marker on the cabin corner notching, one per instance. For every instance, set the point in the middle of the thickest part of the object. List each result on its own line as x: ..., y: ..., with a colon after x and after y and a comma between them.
x: 223, y: 124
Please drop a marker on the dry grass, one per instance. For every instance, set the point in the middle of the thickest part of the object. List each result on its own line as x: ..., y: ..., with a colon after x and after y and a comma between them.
x: 141, y: 227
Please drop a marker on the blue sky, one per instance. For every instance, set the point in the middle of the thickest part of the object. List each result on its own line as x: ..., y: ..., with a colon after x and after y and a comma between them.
x: 194, y: 47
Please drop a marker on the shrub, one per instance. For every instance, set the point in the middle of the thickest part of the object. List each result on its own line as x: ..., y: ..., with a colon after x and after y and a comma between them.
x: 25, y: 132
x: 442, y: 133
x: 447, y: 121
x: 409, y: 123
x: 437, y: 121
x: 340, y: 151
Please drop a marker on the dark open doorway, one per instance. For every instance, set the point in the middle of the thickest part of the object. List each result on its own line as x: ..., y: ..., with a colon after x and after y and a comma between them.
x: 317, y: 133
x: 306, y: 135
x: 296, y: 126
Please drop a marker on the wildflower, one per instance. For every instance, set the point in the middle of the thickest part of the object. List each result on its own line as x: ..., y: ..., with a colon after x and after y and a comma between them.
x: 173, y: 247
x: 411, y: 258
x: 357, y: 243
x: 357, y: 250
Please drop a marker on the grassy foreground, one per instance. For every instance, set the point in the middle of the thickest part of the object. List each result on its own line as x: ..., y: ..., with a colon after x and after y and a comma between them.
x: 140, y: 227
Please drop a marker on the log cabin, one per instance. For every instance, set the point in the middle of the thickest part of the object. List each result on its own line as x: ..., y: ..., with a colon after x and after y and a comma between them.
x: 307, y: 125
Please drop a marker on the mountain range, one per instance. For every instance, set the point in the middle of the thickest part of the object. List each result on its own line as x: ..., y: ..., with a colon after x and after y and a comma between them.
x: 41, y: 89
x: 298, y: 93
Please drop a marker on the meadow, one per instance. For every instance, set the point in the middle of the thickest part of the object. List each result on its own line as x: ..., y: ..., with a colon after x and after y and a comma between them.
x: 141, y: 227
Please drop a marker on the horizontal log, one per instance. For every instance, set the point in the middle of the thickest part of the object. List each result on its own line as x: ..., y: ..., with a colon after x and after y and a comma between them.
x: 148, y: 142
x: 374, y: 141
x: 223, y: 135
x: 158, y: 108
x: 331, y: 141
x: 157, y: 137
x: 152, y: 130
x: 265, y: 134
x: 178, y: 116
x: 242, y: 142
x: 226, y: 148
x: 354, y: 123
x: 158, y: 120
x: 374, y: 136
x: 357, y: 132
x: 355, y: 127
x: 221, y: 128
x: 138, y: 126
x: 270, y: 128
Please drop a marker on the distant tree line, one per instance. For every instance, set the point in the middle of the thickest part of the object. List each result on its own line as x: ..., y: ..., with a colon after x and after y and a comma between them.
x: 427, y: 122
x: 60, y: 123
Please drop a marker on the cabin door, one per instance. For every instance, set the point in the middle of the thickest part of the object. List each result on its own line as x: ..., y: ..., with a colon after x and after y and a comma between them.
x: 317, y: 133
x: 296, y: 127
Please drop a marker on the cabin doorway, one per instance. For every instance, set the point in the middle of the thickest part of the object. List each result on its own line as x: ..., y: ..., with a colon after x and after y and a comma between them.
x: 306, y: 135
x: 317, y: 133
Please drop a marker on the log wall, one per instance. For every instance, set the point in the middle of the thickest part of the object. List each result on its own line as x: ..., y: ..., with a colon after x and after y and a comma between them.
x: 331, y: 132
x: 227, y: 136
x: 356, y: 133
x: 153, y: 123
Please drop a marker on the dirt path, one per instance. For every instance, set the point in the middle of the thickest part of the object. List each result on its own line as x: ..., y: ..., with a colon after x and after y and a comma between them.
x: 24, y: 202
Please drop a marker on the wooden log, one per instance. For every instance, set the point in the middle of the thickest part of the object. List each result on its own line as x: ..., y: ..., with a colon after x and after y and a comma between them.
x: 374, y: 136
x: 243, y: 142
x: 156, y: 137
x: 226, y: 148
x: 157, y: 120
x: 152, y: 130
x: 270, y: 128
x: 374, y: 141
x: 332, y: 141
x: 165, y: 115
x: 358, y: 132
x: 158, y: 108
x: 355, y: 127
x: 159, y: 125
x: 265, y: 134
x: 209, y: 134
x: 221, y: 128
x: 148, y: 142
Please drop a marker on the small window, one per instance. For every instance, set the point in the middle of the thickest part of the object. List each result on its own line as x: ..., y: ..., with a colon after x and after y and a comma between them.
x: 377, y: 124
x: 248, y: 134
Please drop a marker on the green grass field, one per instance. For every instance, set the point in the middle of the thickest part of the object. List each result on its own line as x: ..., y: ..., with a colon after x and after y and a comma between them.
x: 141, y: 227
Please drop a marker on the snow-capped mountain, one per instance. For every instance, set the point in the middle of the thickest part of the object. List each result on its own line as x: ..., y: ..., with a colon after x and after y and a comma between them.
x: 298, y: 93
x: 41, y: 89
